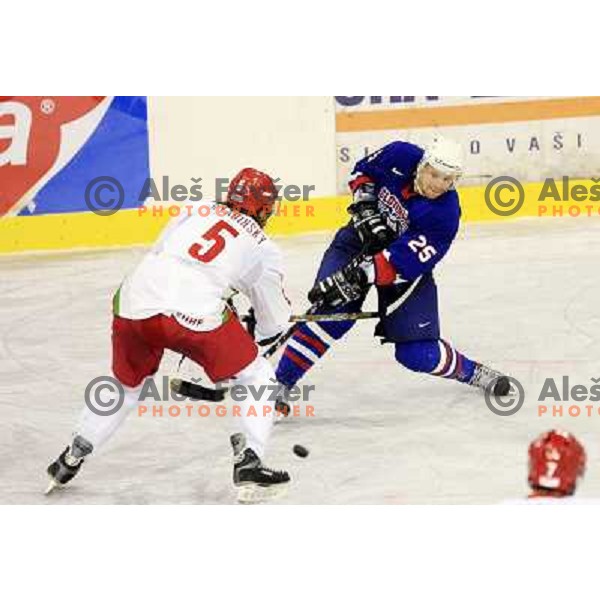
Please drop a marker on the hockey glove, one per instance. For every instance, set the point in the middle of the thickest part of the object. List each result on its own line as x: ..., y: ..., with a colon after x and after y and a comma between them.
x: 370, y: 224
x: 344, y: 286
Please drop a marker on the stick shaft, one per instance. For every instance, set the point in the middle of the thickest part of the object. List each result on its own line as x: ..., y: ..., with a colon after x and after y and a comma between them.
x: 352, y: 316
x: 287, y: 335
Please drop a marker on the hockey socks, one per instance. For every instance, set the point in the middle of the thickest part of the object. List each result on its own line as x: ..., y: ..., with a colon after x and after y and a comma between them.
x: 310, y: 343
x: 436, y: 357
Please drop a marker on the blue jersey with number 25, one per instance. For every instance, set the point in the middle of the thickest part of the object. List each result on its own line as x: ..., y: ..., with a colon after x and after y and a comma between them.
x: 429, y: 226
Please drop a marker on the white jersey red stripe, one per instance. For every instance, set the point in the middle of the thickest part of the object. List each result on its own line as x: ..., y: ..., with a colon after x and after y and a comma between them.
x: 198, y: 260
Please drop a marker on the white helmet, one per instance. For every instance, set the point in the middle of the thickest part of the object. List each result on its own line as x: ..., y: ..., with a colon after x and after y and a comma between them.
x: 445, y: 156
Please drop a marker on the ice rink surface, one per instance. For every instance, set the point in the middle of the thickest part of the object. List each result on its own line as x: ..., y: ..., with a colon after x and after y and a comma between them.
x: 521, y: 296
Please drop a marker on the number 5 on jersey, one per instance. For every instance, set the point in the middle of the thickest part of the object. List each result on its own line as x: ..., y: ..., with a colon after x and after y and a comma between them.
x: 214, y: 234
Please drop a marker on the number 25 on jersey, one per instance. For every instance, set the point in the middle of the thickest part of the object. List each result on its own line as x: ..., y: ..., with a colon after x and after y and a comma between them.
x: 422, y: 249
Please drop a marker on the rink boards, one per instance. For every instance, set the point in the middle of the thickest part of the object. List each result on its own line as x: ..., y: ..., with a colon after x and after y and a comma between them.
x: 58, y: 154
x: 141, y: 226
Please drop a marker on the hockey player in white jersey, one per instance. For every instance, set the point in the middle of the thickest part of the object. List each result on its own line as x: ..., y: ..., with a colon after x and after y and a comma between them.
x: 557, y: 462
x: 176, y: 299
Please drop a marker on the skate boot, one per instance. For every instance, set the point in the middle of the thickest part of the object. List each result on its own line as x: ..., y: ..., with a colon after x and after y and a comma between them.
x: 488, y: 379
x: 67, y: 465
x: 283, y: 410
x: 255, y: 482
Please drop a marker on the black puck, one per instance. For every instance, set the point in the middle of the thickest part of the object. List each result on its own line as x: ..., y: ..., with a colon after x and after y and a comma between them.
x: 300, y: 451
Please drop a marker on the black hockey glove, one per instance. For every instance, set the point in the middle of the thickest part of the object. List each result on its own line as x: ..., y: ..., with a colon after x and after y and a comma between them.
x: 370, y: 224
x: 344, y: 286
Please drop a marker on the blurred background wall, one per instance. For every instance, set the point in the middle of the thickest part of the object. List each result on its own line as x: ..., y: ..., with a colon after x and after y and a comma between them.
x: 291, y: 137
x: 52, y: 148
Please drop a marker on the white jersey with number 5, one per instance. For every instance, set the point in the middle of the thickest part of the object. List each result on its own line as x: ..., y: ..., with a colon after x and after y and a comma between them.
x: 195, y: 263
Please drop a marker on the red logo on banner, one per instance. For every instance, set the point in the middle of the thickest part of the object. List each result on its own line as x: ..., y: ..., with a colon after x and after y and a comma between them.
x: 30, y: 139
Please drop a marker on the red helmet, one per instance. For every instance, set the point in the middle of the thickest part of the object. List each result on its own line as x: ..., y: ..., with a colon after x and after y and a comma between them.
x: 253, y: 193
x: 556, y: 462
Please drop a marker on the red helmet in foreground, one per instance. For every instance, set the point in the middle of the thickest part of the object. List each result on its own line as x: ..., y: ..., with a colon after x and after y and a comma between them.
x: 253, y: 193
x: 556, y: 462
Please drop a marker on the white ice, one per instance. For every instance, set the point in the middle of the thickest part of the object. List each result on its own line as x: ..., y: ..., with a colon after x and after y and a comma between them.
x: 520, y: 296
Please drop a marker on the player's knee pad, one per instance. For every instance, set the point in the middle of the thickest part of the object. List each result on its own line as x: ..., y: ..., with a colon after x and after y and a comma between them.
x: 421, y: 356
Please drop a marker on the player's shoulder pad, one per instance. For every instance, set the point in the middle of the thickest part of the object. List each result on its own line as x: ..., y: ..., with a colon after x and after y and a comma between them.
x: 398, y: 154
x: 452, y: 199
x: 405, y: 148
x: 451, y: 196
x: 447, y: 212
x: 443, y: 215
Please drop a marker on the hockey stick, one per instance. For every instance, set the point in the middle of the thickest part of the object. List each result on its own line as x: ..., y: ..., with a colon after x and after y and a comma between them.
x: 352, y: 316
x: 200, y: 392
x: 288, y: 334
x: 189, y: 389
x: 309, y: 315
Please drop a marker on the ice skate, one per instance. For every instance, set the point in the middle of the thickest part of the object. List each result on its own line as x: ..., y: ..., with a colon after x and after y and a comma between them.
x: 486, y: 378
x: 67, y: 465
x: 255, y: 482
x: 283, y: 410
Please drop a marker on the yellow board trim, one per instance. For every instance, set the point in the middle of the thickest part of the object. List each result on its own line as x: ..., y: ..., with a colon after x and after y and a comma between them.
x: 128, y: 228
x: 77, y: 230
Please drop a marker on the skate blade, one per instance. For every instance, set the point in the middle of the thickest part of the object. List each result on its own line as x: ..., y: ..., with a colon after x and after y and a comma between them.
x: 52, y: 485
x: 280, y: 417
x: 256, y: 494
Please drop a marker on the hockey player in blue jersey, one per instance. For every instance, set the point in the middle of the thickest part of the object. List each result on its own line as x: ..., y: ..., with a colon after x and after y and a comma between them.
x: 405, y: 214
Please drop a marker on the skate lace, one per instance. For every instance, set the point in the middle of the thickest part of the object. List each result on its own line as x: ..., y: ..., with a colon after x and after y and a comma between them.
x: 483, y: 376
x: 71, y: 461
x: 275, y: 473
